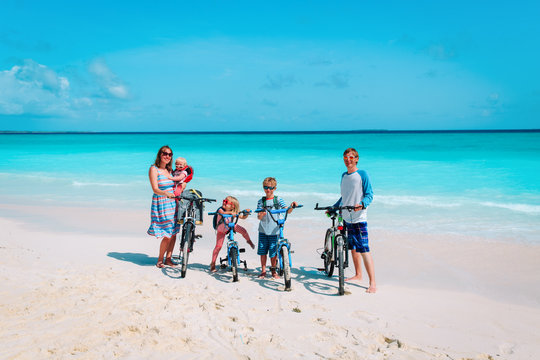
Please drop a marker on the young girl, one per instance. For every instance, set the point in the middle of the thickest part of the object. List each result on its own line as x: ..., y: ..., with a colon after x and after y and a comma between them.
x: 230, y: 206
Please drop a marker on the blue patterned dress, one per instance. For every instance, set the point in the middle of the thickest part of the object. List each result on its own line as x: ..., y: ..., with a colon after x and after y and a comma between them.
x: 163, y: 211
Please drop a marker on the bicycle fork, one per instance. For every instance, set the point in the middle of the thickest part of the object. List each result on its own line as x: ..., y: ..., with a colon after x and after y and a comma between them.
x: 287, y: 244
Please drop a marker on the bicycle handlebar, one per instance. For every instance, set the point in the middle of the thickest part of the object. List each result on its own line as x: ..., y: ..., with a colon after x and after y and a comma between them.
x: 277, y: 211
x: 333, y: 208
x: 243, y: 212
x: 196, y: 199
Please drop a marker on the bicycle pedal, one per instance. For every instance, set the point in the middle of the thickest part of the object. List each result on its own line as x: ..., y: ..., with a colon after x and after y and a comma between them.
x: 198, y: 236
x: 223, y: 266
x: 291, y: 252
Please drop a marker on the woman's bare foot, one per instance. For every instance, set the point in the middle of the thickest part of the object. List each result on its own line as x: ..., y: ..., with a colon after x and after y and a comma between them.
x: 355, y: 278
x: 275, y: 275
x: 169, y: 262
x: 160, y: 264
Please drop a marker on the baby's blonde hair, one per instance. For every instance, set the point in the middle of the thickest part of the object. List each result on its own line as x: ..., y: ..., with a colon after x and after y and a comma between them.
x: 235, y: 202
x: 182, y: 160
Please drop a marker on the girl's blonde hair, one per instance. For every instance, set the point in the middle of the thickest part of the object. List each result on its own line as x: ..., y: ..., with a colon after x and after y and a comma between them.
x: 235, y: 202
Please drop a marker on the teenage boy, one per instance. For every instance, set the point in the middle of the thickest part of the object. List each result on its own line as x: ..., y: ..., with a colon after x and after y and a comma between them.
x: 356, y: 191
x: 268, y: 229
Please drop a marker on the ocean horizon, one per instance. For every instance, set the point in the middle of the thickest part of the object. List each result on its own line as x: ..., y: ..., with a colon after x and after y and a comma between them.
x: 481, y: 183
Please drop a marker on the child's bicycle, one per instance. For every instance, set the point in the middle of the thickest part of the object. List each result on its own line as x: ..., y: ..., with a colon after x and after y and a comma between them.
x: 283, y: 245
x: 188, y: 230
x: 233, y: 251
x: 335, y: 242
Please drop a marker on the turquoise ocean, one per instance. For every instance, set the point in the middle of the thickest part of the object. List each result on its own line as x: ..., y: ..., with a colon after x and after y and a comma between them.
x: 483, y: 184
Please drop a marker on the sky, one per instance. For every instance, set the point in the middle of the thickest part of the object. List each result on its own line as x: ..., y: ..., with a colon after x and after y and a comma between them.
x: 269, y: 65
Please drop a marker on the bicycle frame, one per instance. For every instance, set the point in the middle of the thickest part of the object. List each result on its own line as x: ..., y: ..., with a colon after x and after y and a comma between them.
x: 281, y: 223
x: 231, y: 243
x: 188, y: 231
x: 285, y: 265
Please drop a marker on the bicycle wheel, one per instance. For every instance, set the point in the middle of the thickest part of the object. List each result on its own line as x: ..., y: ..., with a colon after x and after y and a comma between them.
x: 340, y: 262
x: 186, y: 241
x: 233, y: 253
x: 286, y: 267
x: 328, y: 254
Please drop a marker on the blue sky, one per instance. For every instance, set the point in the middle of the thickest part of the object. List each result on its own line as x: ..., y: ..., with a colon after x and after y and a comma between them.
x: 273, y: 65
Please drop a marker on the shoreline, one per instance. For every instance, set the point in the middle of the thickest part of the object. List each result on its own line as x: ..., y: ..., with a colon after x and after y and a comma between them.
x: 434, y: 299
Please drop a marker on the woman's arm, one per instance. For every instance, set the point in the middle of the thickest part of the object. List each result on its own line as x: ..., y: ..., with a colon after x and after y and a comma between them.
x: 153, y: 175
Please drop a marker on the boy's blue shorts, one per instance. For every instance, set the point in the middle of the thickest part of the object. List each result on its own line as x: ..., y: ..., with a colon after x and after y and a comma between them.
x: 267, y: 245
x: 357, y: 236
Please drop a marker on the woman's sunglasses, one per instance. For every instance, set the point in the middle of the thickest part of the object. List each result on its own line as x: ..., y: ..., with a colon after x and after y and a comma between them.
x: 164, y: 153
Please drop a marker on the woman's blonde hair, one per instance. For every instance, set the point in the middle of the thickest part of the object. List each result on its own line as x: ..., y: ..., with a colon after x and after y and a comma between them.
x: 235, y: 202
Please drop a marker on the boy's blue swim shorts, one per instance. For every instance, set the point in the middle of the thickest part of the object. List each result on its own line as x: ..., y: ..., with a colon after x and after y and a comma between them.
x: 267, y: 245
x: 357, y: 236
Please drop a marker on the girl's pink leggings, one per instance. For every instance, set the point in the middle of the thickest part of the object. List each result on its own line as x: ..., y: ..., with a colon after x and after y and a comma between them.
x: 220, y: 237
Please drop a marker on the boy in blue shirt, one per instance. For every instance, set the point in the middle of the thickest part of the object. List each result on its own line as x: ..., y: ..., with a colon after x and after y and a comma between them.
x: 356, y: 191
x: 268, y: 229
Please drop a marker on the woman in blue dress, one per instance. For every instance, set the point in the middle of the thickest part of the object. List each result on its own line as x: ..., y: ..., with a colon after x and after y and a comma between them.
x: 163, y: 211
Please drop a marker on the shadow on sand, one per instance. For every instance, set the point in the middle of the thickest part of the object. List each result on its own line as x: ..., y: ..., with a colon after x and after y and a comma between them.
x: 314, y: 280
x: 135, y: 258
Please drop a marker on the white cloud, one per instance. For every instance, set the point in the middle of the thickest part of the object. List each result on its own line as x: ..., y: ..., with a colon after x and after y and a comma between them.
x: 109, y: 81
x: 33, y: 88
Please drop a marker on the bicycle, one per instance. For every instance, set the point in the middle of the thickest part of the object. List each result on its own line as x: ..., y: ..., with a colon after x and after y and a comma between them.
x: 188, y: 229
x: 335, y: 241
x: 283, y: 245
x: 233, y: 251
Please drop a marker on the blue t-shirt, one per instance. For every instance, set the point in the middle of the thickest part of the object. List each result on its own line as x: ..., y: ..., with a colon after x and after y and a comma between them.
x: 267, y: 225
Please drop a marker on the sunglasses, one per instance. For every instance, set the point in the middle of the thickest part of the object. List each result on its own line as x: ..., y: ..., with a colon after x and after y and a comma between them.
x: 269, y: 187
x: 349, y: 157
x: 164, y: 153
x: 225, y: 202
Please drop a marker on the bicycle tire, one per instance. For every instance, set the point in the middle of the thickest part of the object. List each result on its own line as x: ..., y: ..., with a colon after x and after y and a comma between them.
x: 340, y: 260
x: 234, y: 263
x: 286, y: 267
x: 186, y: 241
x: 328, y: 252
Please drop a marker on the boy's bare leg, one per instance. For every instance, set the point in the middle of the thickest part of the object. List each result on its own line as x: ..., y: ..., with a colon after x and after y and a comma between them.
x: 370, y: 268
x: 273, y: 261
x: 263, y: 266
x: 357, y: 261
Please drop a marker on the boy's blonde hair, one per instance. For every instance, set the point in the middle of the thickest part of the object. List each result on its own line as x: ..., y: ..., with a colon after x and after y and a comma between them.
x: 270, y: 181
x: 235, y: 202
x: 352, y: 151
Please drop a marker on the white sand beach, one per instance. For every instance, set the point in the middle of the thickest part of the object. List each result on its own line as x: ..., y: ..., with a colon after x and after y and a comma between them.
x: 91, y: 291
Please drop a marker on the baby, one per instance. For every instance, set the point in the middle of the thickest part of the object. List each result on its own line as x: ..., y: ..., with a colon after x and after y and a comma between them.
x: 181, y: 175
